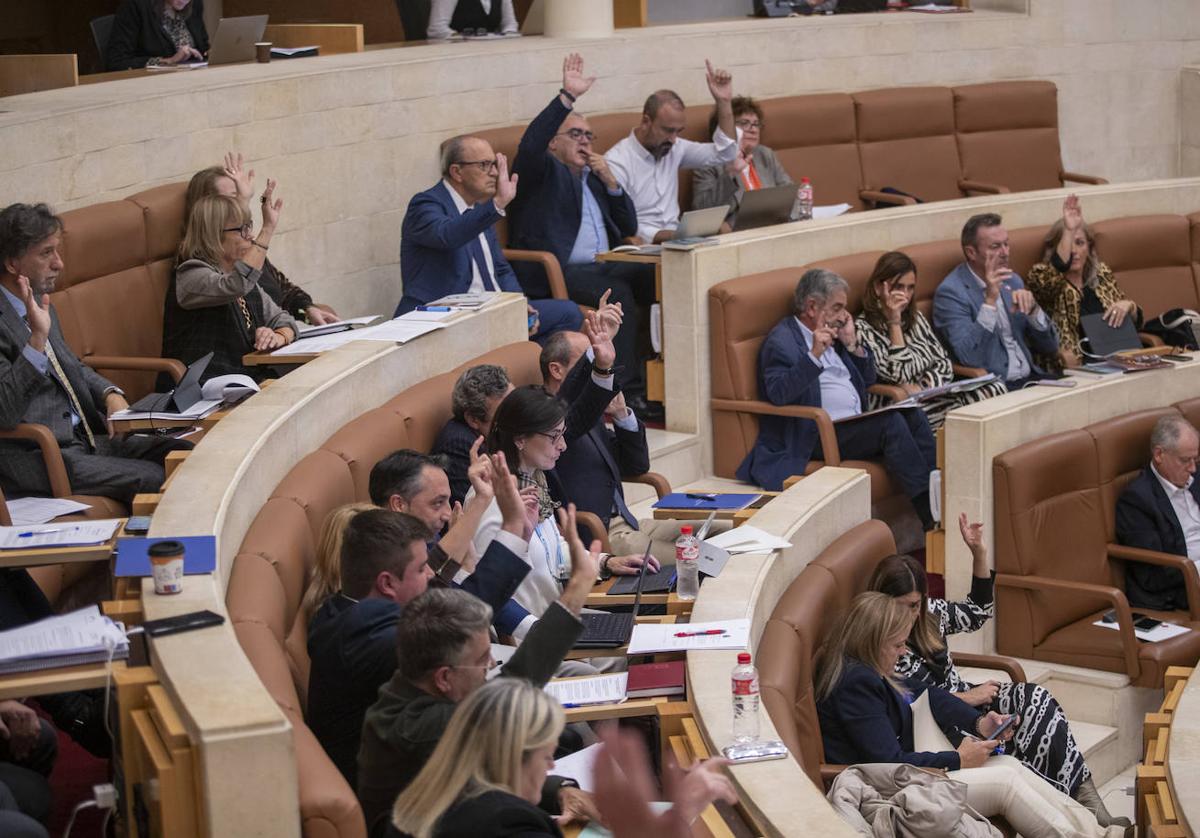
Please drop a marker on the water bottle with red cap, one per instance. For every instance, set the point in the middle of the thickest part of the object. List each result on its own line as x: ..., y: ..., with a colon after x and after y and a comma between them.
x: 745, y: 700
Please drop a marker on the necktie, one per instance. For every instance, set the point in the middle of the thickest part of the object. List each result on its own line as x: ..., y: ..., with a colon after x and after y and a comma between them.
x: 476, y: 251
x: 618, y: 496
x: 74, y: 399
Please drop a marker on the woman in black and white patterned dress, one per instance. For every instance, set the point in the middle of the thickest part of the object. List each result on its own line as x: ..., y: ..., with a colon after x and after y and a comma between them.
x: 1043, y: 740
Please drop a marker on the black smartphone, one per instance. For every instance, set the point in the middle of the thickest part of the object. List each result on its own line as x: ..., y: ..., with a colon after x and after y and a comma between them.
x: 1143, y: 623
x: 138, y: 525
x: 182, y: 622
x: 1004, y: 726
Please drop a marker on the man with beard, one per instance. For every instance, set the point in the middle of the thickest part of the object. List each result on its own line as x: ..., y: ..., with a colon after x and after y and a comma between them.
x: 43, y: 382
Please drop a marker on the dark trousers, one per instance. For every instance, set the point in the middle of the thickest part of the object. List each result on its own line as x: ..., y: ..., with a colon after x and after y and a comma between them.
x: 23, y: 785
x: 632, y: 286
x: 414, y: 17
x: 902, y: 438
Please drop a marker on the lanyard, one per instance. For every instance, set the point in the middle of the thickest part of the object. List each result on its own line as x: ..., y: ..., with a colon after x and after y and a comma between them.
x: 558, y: 568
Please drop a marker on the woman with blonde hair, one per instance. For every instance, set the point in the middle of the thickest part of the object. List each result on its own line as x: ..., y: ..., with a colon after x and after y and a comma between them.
x: 485, y: 776
x: 327, y: 566
x: 213, y: 303
x: 868, y: 714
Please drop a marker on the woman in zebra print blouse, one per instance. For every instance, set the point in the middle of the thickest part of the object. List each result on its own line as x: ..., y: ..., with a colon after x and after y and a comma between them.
x: 1043, y: 740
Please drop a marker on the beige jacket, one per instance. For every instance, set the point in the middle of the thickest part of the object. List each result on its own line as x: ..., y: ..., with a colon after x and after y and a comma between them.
x: 894, y: 799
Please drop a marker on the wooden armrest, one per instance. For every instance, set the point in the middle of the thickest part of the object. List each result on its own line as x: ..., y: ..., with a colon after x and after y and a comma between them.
x: 549, y: 263
x: 662, y: 486
x: 830, y: 772
x: 1191, y: 578
x: 596, y: 527
x: 980, y: 186
x: 174, y: 368
x: 1077, y: 178
x: 1114, y: 596
x: 887, y: 198
x: 891, y: 392
x: 961, y: 371
x: 56, y: 469
x: 1148, y: 339
x: 1002, y: 662
x: 825, y: 432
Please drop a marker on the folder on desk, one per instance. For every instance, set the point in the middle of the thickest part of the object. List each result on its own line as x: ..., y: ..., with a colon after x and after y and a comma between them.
x: 81, y: 637
x: 719, y: 501
x: 199, y: 554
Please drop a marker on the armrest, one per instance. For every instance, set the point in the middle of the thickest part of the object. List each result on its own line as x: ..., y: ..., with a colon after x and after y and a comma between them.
x: 593, y: 525
x: 967, y: 372
x: 56, y: 469
x: 1075, y: 178
x: 829, y: 444
x: 980, y: 186
x: 891, y: 392
x: 887, y: 198
x: 549, y: 263
x: 1191, y: 578
x: 1113, y: 596
x: 1002, y: 662
x: 662, y: 486
x: 174, y: 368
x: 830, y: 772
x: 1151, y: 340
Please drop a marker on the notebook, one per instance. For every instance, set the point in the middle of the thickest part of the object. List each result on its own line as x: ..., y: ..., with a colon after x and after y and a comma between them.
x: 705, y: 500
x: 647, y: 679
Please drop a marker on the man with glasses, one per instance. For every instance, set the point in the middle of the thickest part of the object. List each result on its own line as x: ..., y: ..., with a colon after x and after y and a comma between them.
x: 1160, y: 511
x: 448, y: 242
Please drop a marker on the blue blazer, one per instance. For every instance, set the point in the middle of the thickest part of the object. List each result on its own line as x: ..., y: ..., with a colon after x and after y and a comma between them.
x: 434, y: 260
x: 956, y: 304
x: 548, y: 209
x: 787, y: 374
x: 865, y: 720
x: 1146, y: 519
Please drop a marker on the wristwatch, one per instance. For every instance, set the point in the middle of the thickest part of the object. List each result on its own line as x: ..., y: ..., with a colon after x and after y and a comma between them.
x: 605, y: 573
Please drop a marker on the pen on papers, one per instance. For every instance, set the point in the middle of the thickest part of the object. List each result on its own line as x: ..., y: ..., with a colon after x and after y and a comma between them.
x: 433, y: 308
x: 43, y: 532
x: 699, y: 633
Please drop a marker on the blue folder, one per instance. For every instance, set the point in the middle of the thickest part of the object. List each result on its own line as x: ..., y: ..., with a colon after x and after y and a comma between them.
x: 199, y: 554
x: 721, y: 500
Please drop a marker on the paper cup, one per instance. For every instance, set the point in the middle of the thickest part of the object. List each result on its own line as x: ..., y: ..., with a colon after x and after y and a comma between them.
x: 166, y: 562
x: 262, y: 52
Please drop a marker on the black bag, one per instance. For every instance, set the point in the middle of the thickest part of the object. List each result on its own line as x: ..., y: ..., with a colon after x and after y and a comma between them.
x: 855, y: 6
x: 1178, y: 327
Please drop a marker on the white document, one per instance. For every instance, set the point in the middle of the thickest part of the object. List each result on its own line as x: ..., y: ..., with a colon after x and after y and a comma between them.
x: 392, y: 331
x: 415, y: 316
x: 661, y: 637
x: 402, y: 331
x: 830, y: 211
x: 477, y: 300
x: 231, y: 388
x: 193, y: 65
x: 501, y: 654
x: 590, y: 689
x: 290, y: 51
x: 74, y: 534
x: 1163, y: 631
x: 348, y: 323
x: 748, y: 539
x: 26, y: 511
x: 579, y: 766
x: 199, y: 410
x: 82, y: 636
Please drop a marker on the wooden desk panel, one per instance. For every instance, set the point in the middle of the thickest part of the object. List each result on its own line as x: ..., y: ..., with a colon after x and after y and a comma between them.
x: 59, y: 680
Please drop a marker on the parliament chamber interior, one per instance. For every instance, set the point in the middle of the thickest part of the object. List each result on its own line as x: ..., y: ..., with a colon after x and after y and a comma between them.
x: 962, y: 355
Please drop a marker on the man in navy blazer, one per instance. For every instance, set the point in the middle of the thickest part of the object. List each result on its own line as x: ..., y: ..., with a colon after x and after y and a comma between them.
x: 814, y: 358
x: 572, y: 206
x: 984, y: 313
x: 448, y: 244
x: 1160, y: 511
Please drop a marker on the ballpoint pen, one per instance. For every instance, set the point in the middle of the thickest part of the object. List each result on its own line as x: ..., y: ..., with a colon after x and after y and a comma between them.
x: 43, y: 532
x: 699, y: 633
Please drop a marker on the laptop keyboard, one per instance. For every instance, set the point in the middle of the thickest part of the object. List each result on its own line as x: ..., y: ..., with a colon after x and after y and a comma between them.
x: 606, y: 627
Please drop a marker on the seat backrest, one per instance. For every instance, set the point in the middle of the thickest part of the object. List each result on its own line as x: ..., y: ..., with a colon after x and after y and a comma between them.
x: 1151, y: 257
x: 1122, y: 450
x: 101, y: 29
x: 31, y: 73
x: 814, y: 136
x: 1190, y: 410
x: 1007, y: 133
x: 906, y: 141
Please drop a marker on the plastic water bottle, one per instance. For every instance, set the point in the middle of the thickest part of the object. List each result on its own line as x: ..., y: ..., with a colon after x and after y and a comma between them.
x: 804, y: 200
x: 745, y: 700
x: 687, y: 570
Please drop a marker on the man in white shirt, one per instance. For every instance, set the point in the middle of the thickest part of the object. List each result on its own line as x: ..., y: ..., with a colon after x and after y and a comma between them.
x: 647, y: 162
x: 1160, y: 511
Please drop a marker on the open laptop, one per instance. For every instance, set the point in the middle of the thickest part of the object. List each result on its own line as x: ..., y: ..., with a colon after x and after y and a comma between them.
x: 186, y: 393
x: 1104, y: 340
x: 608, y: 631
x: 764, y: 207
x: 705, y: 222
x: 234, y: 40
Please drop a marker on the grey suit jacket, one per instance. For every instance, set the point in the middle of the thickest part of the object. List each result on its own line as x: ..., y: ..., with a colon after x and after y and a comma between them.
x: 26, y: 395
x: 713, y: 186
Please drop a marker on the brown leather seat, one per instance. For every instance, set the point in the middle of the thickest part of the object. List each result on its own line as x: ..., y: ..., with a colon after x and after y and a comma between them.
x: 814, y: 137
x: 1152, y: 259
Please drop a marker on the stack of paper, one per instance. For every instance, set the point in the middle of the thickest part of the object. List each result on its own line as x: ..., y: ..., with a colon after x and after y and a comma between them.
x: 589, y: 689
x: 1163, y: 631
x: 391, y: 331
x: 199, y: 410
x: 77, y: 534
x: 476, y: 300
x: 307, y: 330
x: 579, y: 766
x: 830, y: 211
x: 83, y: 636
x: 748, y: 539
x: 649, y: 638
x: 25, y: 511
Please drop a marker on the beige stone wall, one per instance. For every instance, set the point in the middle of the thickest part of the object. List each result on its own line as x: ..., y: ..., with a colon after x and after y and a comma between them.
x: 1189, y: 122
x: 351, y: 138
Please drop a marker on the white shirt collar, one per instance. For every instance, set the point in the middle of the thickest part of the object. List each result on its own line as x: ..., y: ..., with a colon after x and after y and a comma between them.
x: 1169, y: 487
x: 454, y: 196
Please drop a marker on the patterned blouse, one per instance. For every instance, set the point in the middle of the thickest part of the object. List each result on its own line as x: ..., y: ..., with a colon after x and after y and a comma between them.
x: 953, y: 618
x: 1061, y: 300
x: 176, y: 28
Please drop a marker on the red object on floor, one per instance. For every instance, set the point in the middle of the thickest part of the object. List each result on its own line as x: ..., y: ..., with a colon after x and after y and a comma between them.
x: 75, y: 772
x: 937, y: 585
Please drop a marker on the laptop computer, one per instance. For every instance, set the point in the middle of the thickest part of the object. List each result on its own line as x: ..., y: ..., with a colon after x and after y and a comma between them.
x: 185, y: 394
x: 764, y: 207
x: 705, y: 222
x: 1103, y: 339
x: 610, y: 630
x: 234, y: 40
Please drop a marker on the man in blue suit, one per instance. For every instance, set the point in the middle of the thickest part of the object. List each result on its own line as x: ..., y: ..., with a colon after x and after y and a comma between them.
x: 448, y: 244
x: 815, y: 358
x: 984, y: 313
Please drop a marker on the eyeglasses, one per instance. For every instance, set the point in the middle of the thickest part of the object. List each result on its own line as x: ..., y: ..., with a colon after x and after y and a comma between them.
x: 748, y: 124
x: 553, y: 436
x: 484, y: 165
x: 246, y: 231
x: 486, y: 667
x: 577, y: 134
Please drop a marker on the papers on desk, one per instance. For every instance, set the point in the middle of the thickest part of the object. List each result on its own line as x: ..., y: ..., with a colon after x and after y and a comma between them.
x: 595, y: 830
x: 706, y: 500
x: 579, y: 766
x: 748, y: 539
x: 640, y: 249
x: 295, y: 52
x: 590, y: 689
x: 649, y: 638
x: 74, y: 534
x: 191, y: 65
x: 479, y: 299
x: 83, y: 636
x: 830, y: 211
x: 1163, y: 631
x: 307, y: 330
x: 26, y: 511
x: 915, y: 399
x: 390, y: 331
x: 415, y: 316
x: 229, y: 389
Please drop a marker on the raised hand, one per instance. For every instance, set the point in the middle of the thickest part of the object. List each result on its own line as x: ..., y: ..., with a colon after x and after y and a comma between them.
x: 1072, y: 213
x: 508, y: 498
x: 617, y: 409
x: 720, y: 83
x: 506, y: 187
x: 972, y: 534
x: 596, y: 330
x: 242, y: 178
x: 612, y: 313
x: 585, y: 563
x: 37, y: 311
x: 996, y: 274
x: 574, y: 81
x: 479, y: 472
x: 271, y: 206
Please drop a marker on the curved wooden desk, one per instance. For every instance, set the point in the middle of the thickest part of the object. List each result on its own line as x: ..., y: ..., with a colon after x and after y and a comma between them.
x: 1183, y: 757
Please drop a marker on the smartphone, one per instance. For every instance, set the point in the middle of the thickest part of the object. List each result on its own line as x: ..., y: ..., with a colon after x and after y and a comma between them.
x: 1143, y: 623
x: 1004, y: 726
x: 138, y: 525
x: 1178, y: 359
x: 181, y: 623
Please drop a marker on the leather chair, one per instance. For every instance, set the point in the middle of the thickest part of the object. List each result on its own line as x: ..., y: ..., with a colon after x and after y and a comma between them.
x: 815, y: 137
x: 1007, y: 134
x: 1055, y: 572
x: 1151, y: 257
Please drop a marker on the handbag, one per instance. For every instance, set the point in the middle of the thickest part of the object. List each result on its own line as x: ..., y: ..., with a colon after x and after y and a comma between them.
x: 1176, y: 327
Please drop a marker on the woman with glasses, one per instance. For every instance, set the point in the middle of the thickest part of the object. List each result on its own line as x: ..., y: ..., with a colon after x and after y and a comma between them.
x: 214, y: 303
x: 756, y: 167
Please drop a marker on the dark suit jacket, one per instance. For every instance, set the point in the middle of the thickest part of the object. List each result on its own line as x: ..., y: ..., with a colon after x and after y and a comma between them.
x: 496, y: 814
x: 592, y: 467
x: 137, y: 34
x: 787, y: 374
x: 548, y: 209
x: 865, y: 720
x: 352, y: 648
x: 1146, y: 519
x: 404, y: 725
x: 434, y: 260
